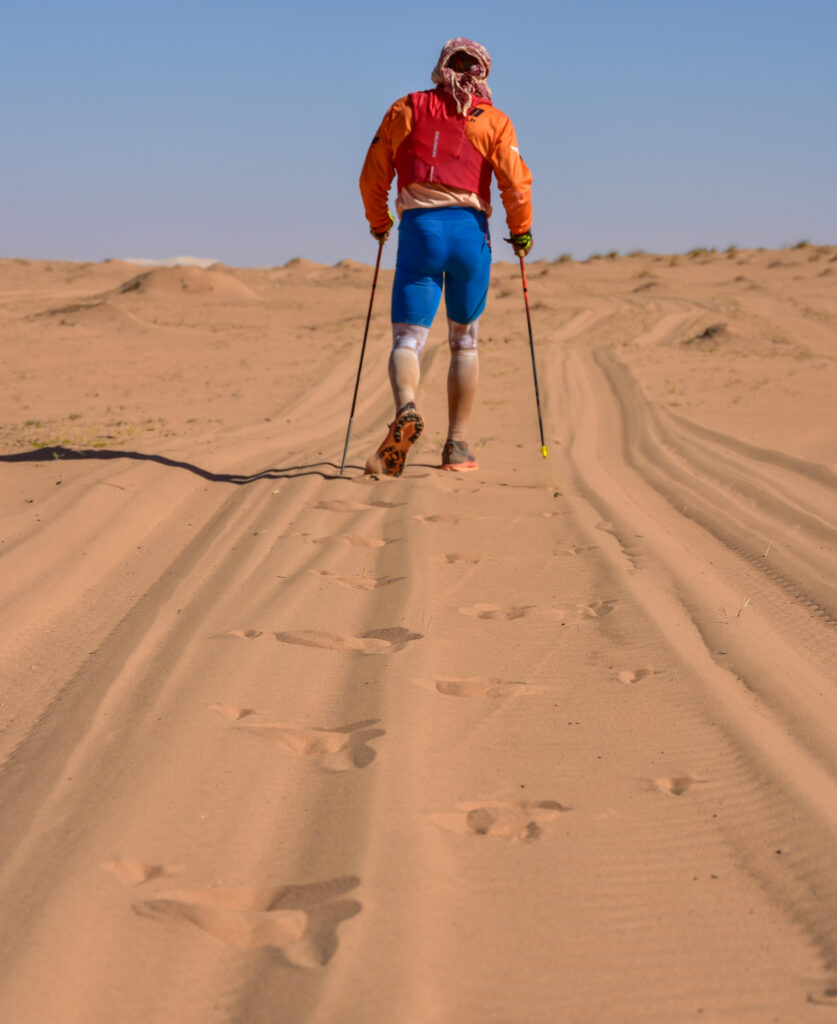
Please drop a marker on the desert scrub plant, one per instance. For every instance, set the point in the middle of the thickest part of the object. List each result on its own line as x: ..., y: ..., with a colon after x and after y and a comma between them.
x: 565, y: 257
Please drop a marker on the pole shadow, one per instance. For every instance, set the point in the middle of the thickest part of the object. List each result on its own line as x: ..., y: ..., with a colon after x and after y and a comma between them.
x: 59, y: 452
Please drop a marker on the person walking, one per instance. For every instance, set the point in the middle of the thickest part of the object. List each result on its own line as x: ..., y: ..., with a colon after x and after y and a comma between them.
x: 443, y: 144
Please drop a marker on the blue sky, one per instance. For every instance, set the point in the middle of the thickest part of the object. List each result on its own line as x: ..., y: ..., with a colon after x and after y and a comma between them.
x: 237, y: 131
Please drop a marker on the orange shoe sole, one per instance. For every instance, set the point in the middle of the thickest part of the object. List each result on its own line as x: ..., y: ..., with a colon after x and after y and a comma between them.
x: 403, y: 432
x: 460, y: 451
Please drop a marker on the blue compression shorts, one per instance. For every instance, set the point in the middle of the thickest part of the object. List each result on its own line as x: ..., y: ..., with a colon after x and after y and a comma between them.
x: 449, y: 245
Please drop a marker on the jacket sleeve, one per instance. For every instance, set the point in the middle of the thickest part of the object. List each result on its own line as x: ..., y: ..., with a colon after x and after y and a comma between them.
x: 497, y: 141
x: 379, y: 165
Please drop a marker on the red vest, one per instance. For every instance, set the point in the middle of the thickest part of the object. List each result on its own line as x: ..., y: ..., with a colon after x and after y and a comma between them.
x: 437, y: 151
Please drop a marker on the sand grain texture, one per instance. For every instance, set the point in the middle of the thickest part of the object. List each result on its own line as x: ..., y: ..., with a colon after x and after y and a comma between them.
x: 552, y: 740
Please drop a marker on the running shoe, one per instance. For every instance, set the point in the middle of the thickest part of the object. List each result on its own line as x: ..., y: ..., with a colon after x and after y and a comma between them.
x: 403, y: 432
x: 458, y: 456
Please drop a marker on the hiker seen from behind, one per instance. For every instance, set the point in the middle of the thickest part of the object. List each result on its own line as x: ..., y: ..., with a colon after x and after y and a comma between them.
x: 443, y: 144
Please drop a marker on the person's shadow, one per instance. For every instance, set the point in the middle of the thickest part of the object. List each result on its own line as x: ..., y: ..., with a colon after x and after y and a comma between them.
x: 326, y: 470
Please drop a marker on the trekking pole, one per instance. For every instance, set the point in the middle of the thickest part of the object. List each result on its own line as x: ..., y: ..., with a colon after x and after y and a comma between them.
x: 362, y: 350
x: 532, y: 348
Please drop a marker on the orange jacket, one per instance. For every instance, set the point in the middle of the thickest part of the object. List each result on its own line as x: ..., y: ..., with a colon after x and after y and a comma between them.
x: 492, y: 134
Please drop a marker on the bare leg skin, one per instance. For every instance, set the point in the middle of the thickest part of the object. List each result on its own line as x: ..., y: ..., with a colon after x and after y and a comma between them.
x: 404, y: 376
x: 463, y: 377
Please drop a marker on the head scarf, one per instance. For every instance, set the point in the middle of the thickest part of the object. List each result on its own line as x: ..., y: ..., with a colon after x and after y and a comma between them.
x: 463, y: 86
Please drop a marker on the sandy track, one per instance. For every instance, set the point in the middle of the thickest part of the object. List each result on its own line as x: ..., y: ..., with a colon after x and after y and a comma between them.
x: 550, y: 740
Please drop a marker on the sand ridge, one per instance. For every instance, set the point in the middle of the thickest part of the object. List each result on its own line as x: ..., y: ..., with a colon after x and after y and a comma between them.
x: 173, y: 281
x: 552, y: 740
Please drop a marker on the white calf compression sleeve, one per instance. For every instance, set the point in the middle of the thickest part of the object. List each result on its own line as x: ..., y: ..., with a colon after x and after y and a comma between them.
x: 409, y: 336
x: 462, y: 337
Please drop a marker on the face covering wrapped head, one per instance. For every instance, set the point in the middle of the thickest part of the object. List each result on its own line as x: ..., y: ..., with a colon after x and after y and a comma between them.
x: 461, y: 70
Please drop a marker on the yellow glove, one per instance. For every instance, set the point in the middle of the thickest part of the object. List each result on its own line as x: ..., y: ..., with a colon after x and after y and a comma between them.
x: 522, y: 243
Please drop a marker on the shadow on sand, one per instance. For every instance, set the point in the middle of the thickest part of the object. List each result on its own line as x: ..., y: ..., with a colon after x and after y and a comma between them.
x: 52, y: 452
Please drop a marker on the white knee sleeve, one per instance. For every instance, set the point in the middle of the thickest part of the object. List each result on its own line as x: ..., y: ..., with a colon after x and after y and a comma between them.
x: 409, y: 336
x: 462, y: 337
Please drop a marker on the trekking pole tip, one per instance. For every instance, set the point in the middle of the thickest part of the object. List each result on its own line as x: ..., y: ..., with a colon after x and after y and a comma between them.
x: 544, y: 452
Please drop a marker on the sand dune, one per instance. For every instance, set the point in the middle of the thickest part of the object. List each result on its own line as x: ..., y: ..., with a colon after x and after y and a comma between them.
x: 173, y: 281
x: 552, y: 740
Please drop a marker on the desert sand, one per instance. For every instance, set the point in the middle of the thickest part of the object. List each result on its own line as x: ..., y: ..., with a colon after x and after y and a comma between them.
x: 553, y: 740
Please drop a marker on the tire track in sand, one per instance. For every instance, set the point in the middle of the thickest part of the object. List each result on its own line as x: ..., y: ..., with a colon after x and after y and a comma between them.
x: 770, y: 696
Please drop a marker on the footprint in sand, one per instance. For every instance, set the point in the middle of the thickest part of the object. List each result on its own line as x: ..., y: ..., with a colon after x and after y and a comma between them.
x: 135, y: 872
x: 481, y: 688
x: 826, y: 996
x: 235, y: 714
x: 437, y: 519
x: 357, y: 582
x: 376, y: 641
x: 237, y: 634
x: 298, y: 921
x: 532, y: 487
x: 521, y: 821
x: 495, y: 611
x: 595, y: 610
x: 572, y: 616
x: 342, y: 505
x: 577, y: 613
x: 355, y: 540
x: 576, y: 550
x: 345, y: 748
x: 676, y: 785
x: 634, y: 675
x: 460, y: 560
x: 536, y: 515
